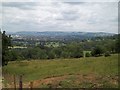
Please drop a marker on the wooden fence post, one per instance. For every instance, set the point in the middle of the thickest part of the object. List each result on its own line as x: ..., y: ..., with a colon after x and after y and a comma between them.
x: 14, y: 82
x: 31, y: 85
x: 20, y: 83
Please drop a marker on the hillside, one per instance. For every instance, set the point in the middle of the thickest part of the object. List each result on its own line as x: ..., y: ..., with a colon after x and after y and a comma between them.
x: 66, y: 73
x: 59, y: 35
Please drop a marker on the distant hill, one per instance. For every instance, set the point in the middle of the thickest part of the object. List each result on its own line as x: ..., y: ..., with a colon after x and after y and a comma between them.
x: 61, y: 35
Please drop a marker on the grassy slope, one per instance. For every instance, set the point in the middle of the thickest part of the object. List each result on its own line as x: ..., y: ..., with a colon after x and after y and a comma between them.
x: 38, y: 69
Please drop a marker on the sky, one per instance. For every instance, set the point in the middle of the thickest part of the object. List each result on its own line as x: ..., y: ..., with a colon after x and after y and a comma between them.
x: 73, y: 16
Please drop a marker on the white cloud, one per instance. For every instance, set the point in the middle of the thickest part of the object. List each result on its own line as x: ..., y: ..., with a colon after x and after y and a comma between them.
x: 49, y: 16
x: 60, y: 0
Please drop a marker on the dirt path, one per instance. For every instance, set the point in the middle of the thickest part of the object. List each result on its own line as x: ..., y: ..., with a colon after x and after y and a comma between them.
x: 78, y: 80
x: 75, y: 80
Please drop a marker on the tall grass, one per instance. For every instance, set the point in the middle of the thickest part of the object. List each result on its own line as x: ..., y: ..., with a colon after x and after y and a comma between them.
x: 38, y: 69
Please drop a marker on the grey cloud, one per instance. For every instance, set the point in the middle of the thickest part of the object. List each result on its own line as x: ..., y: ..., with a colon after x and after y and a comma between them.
x: 66, y: 16
x: 69, y: 16
x: 75, y: 3
x: 20, y: 5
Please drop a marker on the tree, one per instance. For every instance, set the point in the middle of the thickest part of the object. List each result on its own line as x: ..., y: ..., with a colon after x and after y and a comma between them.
x: 57, y: 52
x: 117, y: 49
x: 97, y: 51
x: 51, y: 54
x: 0, y: 48
x: 6, y: 41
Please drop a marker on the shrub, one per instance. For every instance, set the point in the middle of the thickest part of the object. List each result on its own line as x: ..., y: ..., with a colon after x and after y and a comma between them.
x: 97, y: 51
x: 87, y: 54
x: 107, y: 54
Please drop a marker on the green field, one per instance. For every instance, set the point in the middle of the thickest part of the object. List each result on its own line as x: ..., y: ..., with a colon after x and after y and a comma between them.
x: 86, y: 72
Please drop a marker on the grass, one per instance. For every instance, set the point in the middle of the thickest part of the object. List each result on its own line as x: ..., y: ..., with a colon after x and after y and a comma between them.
x: 41, y: 69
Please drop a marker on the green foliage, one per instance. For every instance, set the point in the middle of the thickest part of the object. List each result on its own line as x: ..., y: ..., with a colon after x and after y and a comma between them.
x: 97, y: 51
x: 72, y: 49
x: 117, y: 44
x: 88, y: 54
x: 58, y: 52
x: 51, y: 55
x: 107, y: 54
x: 6, y: 41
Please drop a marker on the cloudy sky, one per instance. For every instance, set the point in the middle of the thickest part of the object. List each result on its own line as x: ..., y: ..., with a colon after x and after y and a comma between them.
x: 60, y: 16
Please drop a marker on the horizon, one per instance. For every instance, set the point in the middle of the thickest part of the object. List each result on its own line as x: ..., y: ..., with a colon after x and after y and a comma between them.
x: 62, y: 31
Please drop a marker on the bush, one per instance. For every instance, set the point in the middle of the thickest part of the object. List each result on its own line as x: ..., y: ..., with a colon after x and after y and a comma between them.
x: 97, y: 51
x: 87, y: 54
x: 107, y: 54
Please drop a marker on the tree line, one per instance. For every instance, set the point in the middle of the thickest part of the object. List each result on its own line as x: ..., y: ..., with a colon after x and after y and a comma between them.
x: 72, y: 49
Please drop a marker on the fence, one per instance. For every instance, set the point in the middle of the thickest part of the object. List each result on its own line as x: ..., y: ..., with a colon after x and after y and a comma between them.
x: 15, y: 81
